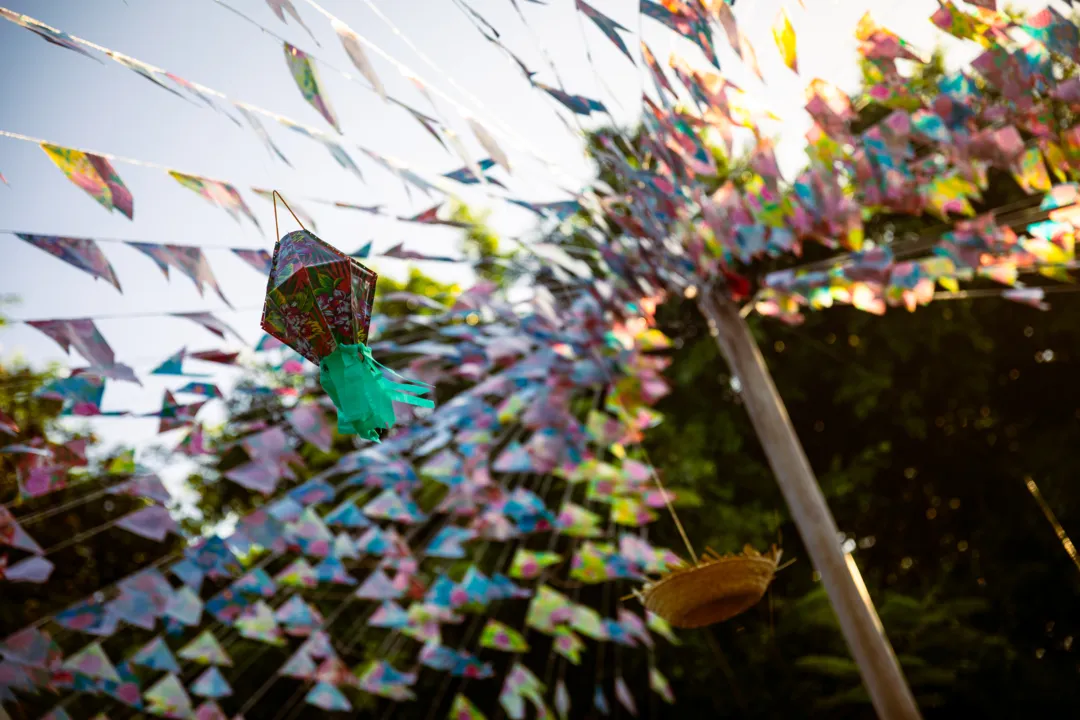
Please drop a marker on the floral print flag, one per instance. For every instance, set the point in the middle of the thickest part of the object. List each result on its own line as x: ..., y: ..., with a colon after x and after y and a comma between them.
x: 95, y: 175
x: 307, y: 79
x: 82, y: 253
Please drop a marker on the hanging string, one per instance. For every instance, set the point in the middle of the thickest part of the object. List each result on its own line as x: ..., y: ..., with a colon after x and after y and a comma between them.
x: 141, y: 314
x: 124, y: 241
x: 277, y: 232
x: 147, y: 164
x: 511, y: 138
x: 113, y: 54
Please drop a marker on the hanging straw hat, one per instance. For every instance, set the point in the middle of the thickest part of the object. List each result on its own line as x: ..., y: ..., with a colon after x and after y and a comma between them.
x: 713, y: 589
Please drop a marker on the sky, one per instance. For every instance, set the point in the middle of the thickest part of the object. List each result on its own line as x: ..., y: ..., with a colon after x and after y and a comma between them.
x: 68, y: 99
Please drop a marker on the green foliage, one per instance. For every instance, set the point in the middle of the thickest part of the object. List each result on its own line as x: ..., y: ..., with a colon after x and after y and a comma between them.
x: 481, y: 244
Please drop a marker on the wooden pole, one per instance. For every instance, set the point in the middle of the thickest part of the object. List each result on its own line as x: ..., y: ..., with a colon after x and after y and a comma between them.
x: 859, y: 621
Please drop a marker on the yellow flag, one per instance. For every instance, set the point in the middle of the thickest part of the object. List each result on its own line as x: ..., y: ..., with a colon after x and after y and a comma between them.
x: 784, y: 35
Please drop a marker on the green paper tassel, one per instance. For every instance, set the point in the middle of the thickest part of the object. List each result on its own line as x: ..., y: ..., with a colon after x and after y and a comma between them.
x: 364, y: 392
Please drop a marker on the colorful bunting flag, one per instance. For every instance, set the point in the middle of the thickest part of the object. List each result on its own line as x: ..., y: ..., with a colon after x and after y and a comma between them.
x: 82, y: 253
x: 307, y: 80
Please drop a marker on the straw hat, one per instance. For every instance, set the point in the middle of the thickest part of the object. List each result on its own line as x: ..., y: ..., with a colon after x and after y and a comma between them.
x: 715, y: 589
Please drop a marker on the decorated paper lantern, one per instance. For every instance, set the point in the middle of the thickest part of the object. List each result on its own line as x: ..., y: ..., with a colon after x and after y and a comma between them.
x: 318, y: 302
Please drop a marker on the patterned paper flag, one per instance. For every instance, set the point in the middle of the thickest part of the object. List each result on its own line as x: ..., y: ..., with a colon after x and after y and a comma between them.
x: 600, y: 701
x: 447, y: 543
x: 626, y: 698
x: 82, y: 253
x: 351, y: 42
x: 13, y: 535
x: 257, y: 623
x: 156, y: 656
x: 168, y: 698
x: 298, y: 617
x: 383, y: 680
x: 332, y: 570
x: 92, y: 662
x: 389, y: 615
x: 660, y: 626
x: 280, y: 7
x: 389, y: 505
x: 347, y: 515
x: 489, y: 144
x: 608, y: 26
x: 568, y: 644
x: 309, y: 421
x: 128, y: 690
x: 300, y: 666
x: 185, y: 607
x: 576, y: 521
x: 520, y: 684
x: 49, y: 34
x: 463, y: 709
x: 528, y: 564
x: 94, y: 175
x: 211, y: 323
x: 210, y: 710
x: 298, y: 574
x: 205, y: 649
x: 659, y: 684
x: 327, y: 697
x: 562, y: 700
x: 217, y: 192
x: 307, y: 80
x: 498, y: 636
x: 548, y: 609
x: 784, y: 35
x: 211, y: 684
x: 152, y: 523
x: 32, y: 570
x: 378, y: 586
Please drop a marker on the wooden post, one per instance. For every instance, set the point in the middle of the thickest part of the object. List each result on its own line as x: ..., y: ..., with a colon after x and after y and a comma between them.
x: 859, y: 621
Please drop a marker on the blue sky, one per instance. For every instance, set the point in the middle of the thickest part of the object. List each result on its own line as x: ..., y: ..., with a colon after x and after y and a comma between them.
x: 63, y: 97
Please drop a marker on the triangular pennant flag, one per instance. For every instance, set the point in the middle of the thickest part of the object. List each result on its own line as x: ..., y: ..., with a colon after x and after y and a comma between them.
x: 185, y: 607
x: 327, y: 697
x: 389, y: 615
x: 300, y: 665
x: 463, y: 709
x: 205, y: 649
x: 256, y: 582
x: 298, y: 617
x: 498, y: 636
x: 173, y: 365
x: 92, y: 662
x: 257, y: 622
x: 298, y: 574
x: 332, y: 570
x: 562, y: 700
x: 307, y: 80
x: 347, y: 515
x: 82, y: 253
x: 378, y: 586
x: 626, y: 698
x: 211, y: 684
x: 447, y: 543
x: 659, y: 684
x: 391, y: 506
x: 210, y: 710
x: 156, y: 656
x: 168, y: 698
